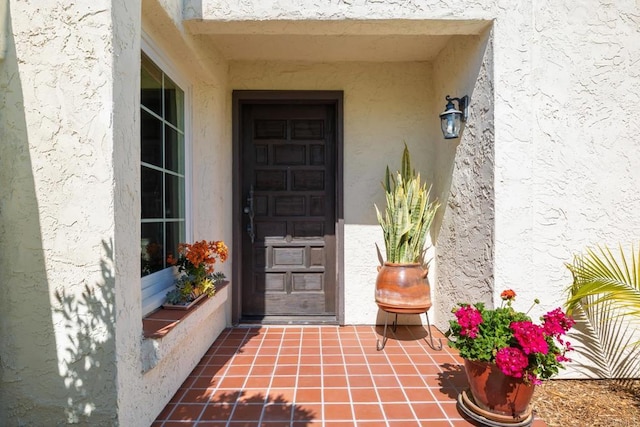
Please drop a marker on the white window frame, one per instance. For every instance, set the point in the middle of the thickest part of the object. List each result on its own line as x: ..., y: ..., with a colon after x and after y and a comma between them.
x: 155, y: 286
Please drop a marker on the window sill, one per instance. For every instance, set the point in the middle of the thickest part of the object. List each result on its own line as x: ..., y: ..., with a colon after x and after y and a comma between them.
x: 160, y: 322
x: 165, y: 332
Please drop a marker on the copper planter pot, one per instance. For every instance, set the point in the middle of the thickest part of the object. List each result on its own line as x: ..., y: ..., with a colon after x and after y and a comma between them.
x: 403, y: 288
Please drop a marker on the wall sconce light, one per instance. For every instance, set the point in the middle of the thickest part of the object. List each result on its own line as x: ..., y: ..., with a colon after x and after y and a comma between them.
x: 451, y: 118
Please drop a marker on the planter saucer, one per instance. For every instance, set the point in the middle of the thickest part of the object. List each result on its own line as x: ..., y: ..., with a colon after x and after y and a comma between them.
x: 468, y: 407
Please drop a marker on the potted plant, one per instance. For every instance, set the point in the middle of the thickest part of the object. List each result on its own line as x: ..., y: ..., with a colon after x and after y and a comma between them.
x: 505, y: 355
x: 196, y: 262
x: 401, y: 285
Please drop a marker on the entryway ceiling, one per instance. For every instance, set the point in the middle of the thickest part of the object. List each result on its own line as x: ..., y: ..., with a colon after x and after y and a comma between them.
x: 331, y: 41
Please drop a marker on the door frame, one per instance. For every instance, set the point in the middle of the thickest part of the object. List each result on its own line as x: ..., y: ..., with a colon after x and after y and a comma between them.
x: 240, y: 98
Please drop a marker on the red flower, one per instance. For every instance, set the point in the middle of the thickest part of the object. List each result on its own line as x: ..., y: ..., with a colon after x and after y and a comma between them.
x: 508, y: 295
x: 556, y: 322
x: 533, y: 379
x: 508, y: 338
x: 469, y: 318
x: 530, y: 337
x: 512, y: 361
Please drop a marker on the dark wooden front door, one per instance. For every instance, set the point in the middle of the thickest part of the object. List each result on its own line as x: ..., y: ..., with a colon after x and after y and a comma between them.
x: 288, y: 183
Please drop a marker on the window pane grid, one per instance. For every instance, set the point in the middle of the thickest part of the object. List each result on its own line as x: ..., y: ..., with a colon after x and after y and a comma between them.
x: 163, y: 170
x: 154, y: 114
x: 163, y: 184
x: 180, y: 131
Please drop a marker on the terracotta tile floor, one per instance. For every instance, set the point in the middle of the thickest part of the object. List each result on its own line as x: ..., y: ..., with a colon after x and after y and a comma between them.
x: 320, y: 376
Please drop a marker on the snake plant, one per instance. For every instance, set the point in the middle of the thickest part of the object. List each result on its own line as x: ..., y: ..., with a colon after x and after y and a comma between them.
x: 408, y: 215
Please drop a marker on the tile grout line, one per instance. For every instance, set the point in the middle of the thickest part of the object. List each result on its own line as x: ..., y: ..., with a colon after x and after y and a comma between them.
x: 200, y: 375
x: 226, y: 336
x: 447, y: 351
x: 346, y: 376
x: 368, y: 365
x: 253, y: 362
x: 350, y: 344
x: 227, y: 369
x: 204, y: 407
x: 323, y: 417
x: 295, y: 389
x: 266, y: 402
x: 436, y: 398
x: 396, y: 334
x: 395, y: 374
x: 299, y: 369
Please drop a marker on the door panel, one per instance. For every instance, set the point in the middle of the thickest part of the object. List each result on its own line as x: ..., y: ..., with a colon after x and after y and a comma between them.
x: 288, y: 179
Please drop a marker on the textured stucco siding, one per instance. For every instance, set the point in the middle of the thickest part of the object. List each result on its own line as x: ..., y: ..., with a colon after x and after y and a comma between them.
x: 585, y: 62
x: 562, y: 107
x: 465, y: 181
x: 70, y: 342
x: 261, y: 10
x: 152, y: 370
x: 567, y: 144
x: 565, y: 85
x: 57, y: 200
x: 72, y: 348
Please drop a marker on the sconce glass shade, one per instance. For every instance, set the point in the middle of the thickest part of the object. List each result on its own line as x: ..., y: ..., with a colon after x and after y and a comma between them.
x: 450, y: 121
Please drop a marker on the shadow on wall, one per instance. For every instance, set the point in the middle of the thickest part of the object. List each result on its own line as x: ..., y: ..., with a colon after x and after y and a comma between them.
x: 467, y: 161
x: 48, y: 375
x: 27, y: 344
x: 88, y: 364
x: 464, y: 181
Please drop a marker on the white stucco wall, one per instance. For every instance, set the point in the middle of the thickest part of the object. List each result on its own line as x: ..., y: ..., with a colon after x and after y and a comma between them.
x: 151, y: 370
x: 71, y: 348
x: 564, y: 149
x: 57, y: 200
x: 465, y: 178
x: 585, y: 125
x: 231, y: 10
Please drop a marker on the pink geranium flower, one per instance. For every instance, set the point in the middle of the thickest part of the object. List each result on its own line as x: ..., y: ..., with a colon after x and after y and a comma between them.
x: 469, y: 318
x: 530, y: 337
x: 512, y: 361
x: 556, y: 322
x: 509, y: 338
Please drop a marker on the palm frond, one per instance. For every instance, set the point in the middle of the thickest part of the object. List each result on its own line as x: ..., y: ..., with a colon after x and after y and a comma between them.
x: 599, y: 274
x: 604, y: 299
x: 606, y: 340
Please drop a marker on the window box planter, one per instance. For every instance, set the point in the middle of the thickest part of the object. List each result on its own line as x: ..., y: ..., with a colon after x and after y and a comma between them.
x: 184, y: 306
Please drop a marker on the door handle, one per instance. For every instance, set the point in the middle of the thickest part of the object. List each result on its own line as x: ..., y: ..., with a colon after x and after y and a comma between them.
x: 248, y: 209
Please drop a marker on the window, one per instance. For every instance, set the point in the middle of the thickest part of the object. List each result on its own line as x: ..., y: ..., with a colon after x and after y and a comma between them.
x: 162, y: 163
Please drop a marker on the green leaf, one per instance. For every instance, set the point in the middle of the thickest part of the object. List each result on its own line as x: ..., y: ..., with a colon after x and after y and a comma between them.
x: 408, y: 215
x: 604, y: 298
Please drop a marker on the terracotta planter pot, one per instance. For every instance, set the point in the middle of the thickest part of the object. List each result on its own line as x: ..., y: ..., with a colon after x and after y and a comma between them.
x: 403, y: 288
x: 496, y: 392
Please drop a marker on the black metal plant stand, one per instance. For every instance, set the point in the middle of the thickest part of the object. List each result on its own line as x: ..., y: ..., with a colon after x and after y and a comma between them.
x: 431, y: 342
